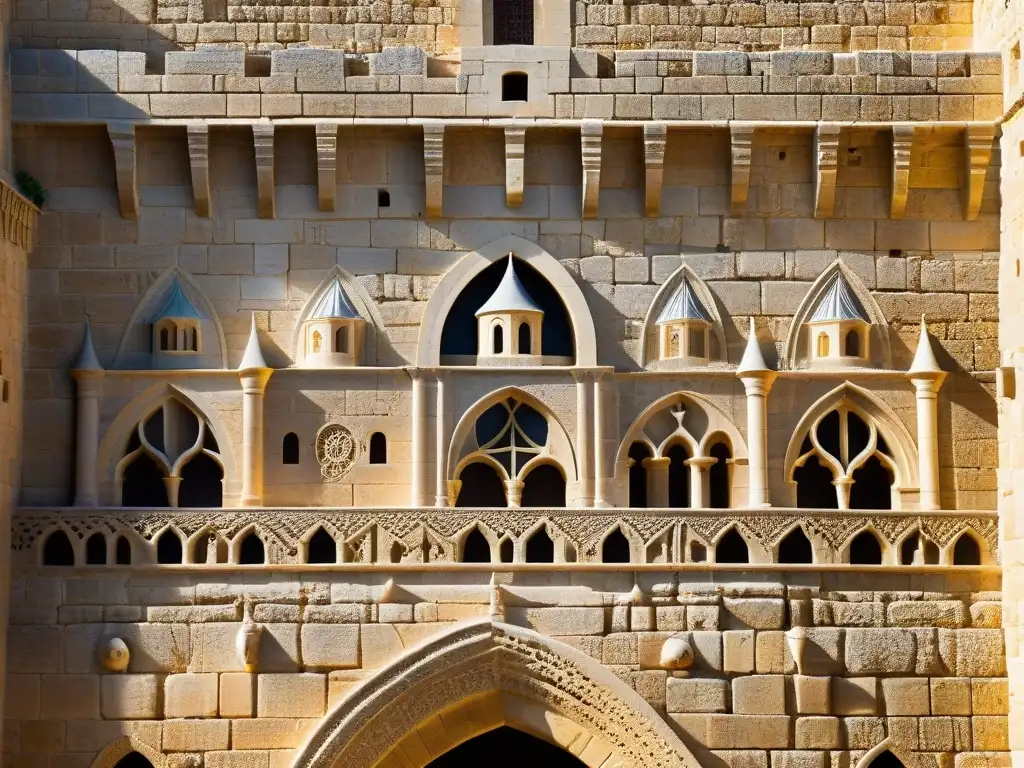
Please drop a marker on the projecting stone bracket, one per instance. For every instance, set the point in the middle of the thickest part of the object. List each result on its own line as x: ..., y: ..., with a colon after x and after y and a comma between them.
x: 591, y: 133
x: 515, y: 165
x: 433, y: 167
x: 741, y: 139
x: 199, y: 159
x: 122, y: 138
x: 826, y: 167
x: 263, y: 142
x: 326, y: 165
x: 977, y: 155
x: 654, y: 166
x: 902, y: 150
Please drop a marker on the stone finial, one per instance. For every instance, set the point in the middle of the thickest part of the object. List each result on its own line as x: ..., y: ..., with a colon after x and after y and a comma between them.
x: 924, y: 364
x: 677, y: 652
x: 247, y: 641
x: 114, y: 654
x: 388, y: 592
x: 796, y: 639
x: 87, y: 359
x: 753, y: 361
x: 253, y: 357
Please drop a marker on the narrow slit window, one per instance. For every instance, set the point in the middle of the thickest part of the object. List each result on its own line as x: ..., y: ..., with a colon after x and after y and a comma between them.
x: 378, y: 448
x: 383, y: 198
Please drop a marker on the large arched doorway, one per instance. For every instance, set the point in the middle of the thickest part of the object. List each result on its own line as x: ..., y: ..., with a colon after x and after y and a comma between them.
x: 506, y: 747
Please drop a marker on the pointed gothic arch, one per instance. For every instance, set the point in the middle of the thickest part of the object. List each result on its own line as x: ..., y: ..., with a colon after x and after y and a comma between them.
x: 719, y: 350
x: 362, y: 302
x: 122, y: 747
x: 493, y: 674
x: 796, y: 353
x: 428, y: 348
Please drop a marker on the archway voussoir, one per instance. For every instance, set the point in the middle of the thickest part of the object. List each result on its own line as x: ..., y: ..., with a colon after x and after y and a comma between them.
x: 435, y: 736
x: 412, y: 748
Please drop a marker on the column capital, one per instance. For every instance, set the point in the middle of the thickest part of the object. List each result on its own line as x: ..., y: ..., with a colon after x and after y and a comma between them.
x: 254, y: 380
x: 930, y: 381
x: 759, y: 382
x: 87, y: 378
x: 701, y: 462
x: 655, y: 462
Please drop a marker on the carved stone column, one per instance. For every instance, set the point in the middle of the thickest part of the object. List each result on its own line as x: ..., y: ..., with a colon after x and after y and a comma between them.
x: 88, y: 375
x: 514, y: 493
x: 441, y: 441
x: 657, y: 480
x: 603, y: 457
x: 584, y: 436
x: 419, y: 439
x: 700, y: 481
x: 757, y: 381
x: 927, y: 378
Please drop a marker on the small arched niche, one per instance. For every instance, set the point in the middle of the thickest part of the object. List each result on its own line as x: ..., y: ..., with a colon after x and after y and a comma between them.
x: 338, y: 326
x: 683, y: 327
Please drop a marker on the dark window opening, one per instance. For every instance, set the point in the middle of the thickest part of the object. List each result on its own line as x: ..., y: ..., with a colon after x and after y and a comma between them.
x: 732, y: 548
x: 290, y: 449
x: 615, y: 548
x: 201, y: 552
x: 507, y: 551
x: 966, y: 551
x: 524, y: 338
x: 498, y: 343
x: 865, y: 549
x: 638, y: 475
x: 513, y: 22
x: 886, y: 760
x: 872, y: 486
x: 383, y: 198
x: 481, y: 487
x: 540, y: 548
x: 378, y: 448
x: 96, y: 550
x: 398, y: 551
x: 133, y: 760
x: 698, y: 552
x: 252, y: 551
x: 721, y: 487
x: 201, y: 483
x: 322, y: 548
x: 168, y: 549
x: 796, y: 548
x: 123, y: 551
x: 476, y: 548
x: 544, y: 486
x: 910, y: 545
x: 6, y: 391
x: 852, y: 345
x: 678, y: 477
x: 57, y: 550
x: 505, y: 747
x: 515, y: 86
x: 814, y: 488
x: 143, y: 484
x: 341, y: 341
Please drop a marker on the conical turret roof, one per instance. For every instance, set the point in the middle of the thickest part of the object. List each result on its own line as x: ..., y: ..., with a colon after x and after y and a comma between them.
x: 510, y: 295
x: 178, y: 305
x: 87, y: 358
x: 684, y: 305
x: 924, y: 358
x: 253, y: 357
x: 753, y: 360
x: 334, y: 304
x: 838, y: 303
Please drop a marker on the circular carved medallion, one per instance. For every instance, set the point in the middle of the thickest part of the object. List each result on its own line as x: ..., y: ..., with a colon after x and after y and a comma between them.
x: 336, y: 451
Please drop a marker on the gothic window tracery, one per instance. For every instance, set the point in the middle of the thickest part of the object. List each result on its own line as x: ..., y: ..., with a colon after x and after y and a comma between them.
x: 512, y: 433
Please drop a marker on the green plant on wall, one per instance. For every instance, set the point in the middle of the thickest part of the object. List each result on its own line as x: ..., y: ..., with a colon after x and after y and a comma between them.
x: 31, y: 188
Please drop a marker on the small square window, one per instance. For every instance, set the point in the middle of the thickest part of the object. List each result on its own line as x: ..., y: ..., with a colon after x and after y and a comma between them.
x: 383, y: 198
x: 515, y: 86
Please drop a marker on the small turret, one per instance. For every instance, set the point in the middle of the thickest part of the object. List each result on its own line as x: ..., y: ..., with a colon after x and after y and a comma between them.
x: 334, y: 333
x: 683, y: 327
x: 838, y: 330
x: 509, y: 322
x: 176, y: 327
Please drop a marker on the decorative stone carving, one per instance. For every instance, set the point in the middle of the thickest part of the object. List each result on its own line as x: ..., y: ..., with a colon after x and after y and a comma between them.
x: 677, y: 652
x: 199, y: 158
x: 247, y: 641
x: 977, y: 156
x: 826, y: 161
x: 796, y: 639
x: 114, y: 654
x: 122, y: 138
x: 336, y: 451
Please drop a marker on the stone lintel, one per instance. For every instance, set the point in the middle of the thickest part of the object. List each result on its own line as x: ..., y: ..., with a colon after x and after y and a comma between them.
x: 326, y: 164
x: 826, y: 166
x: 122, y: 138
x: 978, y: 141
x: 902, y: 148
x: 591, y: 132
x: 199, y: 159
x: 263, y: 142
x: 515, y: 165
x: 741, y: 139
x: 654, y: 166
x: 433, y: 167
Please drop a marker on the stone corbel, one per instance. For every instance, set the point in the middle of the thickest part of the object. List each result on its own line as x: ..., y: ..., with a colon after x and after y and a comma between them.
x: 515, y: 165
x: 654, y: 166
x: 122, y: 138
x: 199, y: 158
x: 433, y: 166
x: 591, y: 132
x: 826, y: 162
x: 742, y: 137
x: 902, y: 147
x: 326, y: 164
x: 263, y: 141
x: 977, y: 155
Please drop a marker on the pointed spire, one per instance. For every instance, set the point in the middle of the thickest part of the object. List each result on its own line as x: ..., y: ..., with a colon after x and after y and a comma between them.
x: 253, y: 357
x: 684, y: 305
x: 178, y: 305
x: 838, y: 302
x: 87, y: 358
x: 753, y: 360
x: 334, y: 304
x: 924, y: 363
x: 510, y: 295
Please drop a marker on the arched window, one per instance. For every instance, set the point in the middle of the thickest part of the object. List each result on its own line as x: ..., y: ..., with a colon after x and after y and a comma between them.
x: 498, y: 339
x: 615, y: 548
x: 398, y: 551
x: 142, y: 484
x: 123, y: 551
x: 966, y: 551
x: 341, y: 340
x: 476, y: 548
x: 638, y: 474
x: 886, y: 759
x: 290, y: 449
x: 544, y: 486
x: 698, y: 552
x: 506, y: 550
x: 318, y: 342
x: 57, y: 549
x: 872, y: 486
x: 524, y: 338
x: 506, y: 746
x: 865, y: 549
x: 732, y: 548
x: 796, y: 548
x: 512, y: 433
x: 133, y: 760
x: 96, y: 550
x: 481, y: 486
x: 378, y: 448
x: 852, y: 344
x: 720, y: 477
x: 168, y: 548
x: 822, y: 345
x: 252, y: 551
x: 678, y: 477
x: 540, y: 548
x: 201, y: 483
x: 322, y: 548
x: 915, y: 542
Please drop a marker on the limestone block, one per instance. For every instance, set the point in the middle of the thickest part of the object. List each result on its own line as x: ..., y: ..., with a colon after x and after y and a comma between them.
x: 813, y: 695
x: 863, y: 732
x: 748, y: 732
x: 989, y: 696
x: 331, y: 646
x: 302, y: 694
x: 818, y: 733
x: 131, y: 697
x: 880, y: 650
x: 986, y: 615
x: 205, y: 61
x: 670, y: 618
x: 41, y: 736
x: 759, y: 695
x: 321, y: 62
x: 695, y: 694
x: 213, y: 648
x: 754, y: 612
x: 936, y: 734
x: 800, y: 759
x: 980, y: 653
x: 620, y: 648
x: 854, y: 695
x: 196, y: 735
x: 379, y: 644
x: 990, y: 733
x: 927, y: 613
x: 271, y: 733
x: 703, y: 617
x: 191, y: 695
x: 399, y: 60
x: 720, y: 63
x: 951, y: 696
x: 340, y: 683
x: 796, y: 63
x: 559, y: 621
x: 906, y: 696
x: 22, y: 697
x: 237, y: 694
x: 772, y: 654
x: 65, y: 697
x: 36, y: 649
x: 738, y: 651
x: 641, y: 618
